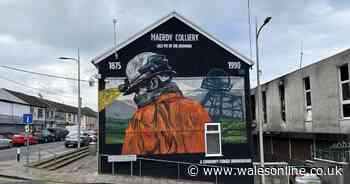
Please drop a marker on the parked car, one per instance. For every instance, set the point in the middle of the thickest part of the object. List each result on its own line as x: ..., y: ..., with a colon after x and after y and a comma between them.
x: 92, y: 135
x: 307, y: 179
x: 5, y: 142
x: 72, y: 141
x: 60, y: 133
x: 7, y: 135
x: 45, y: 136
x: 93, y: 138
x: 20, y: 139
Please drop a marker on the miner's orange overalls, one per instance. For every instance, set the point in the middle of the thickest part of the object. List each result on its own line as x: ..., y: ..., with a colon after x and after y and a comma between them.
x: 172, y: 124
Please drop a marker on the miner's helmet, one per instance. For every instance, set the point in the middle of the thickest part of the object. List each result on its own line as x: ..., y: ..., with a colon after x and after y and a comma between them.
x: 142, y: 68
x: 218, y: 80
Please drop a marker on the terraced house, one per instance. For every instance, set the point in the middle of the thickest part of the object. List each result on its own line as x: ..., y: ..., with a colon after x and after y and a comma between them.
x: 46, y: 113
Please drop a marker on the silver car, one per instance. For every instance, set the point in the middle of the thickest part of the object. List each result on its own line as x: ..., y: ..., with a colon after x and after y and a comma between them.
x: 5, y: 142
x: 308, y: 179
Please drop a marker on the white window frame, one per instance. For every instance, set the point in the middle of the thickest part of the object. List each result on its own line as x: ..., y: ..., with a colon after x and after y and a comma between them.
x: 42, y: 113
x: 52, y: 114
x: 212, y: 132
x: 282, y: 103
x: 342, y: 102
x: 307, y: 107
x: 262, y: 113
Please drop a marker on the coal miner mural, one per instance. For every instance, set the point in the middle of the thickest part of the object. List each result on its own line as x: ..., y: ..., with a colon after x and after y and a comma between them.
x: 173, y: 94
x: 165, y: 121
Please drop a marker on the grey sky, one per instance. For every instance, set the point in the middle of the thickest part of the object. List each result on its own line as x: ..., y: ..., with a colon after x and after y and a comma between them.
x: 34, y: 33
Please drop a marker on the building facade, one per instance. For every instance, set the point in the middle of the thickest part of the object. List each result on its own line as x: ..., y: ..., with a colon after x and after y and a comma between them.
x: 89, y: 119
x: 173, y: 96
x: 45, y: 113
x: 306, y: 110
x: 11, y: 112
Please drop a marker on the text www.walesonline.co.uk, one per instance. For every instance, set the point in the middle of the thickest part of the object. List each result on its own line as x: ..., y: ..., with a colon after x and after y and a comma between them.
x: 194, y: 170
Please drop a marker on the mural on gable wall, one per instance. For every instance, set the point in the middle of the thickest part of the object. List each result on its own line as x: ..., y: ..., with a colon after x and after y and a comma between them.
x: 173, y: 93
x: 160, y: 113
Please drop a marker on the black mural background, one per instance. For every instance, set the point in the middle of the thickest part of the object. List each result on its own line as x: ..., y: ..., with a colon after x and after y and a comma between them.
x: 203, y: 56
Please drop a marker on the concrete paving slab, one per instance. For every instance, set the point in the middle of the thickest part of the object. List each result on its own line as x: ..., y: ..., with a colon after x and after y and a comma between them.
x: 81, y: 171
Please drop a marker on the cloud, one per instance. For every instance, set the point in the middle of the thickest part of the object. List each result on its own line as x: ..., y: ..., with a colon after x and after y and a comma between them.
x: 37, y: 33
x: 320, y: 25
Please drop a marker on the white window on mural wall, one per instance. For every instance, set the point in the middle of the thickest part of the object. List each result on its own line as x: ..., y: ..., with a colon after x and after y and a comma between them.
x: 345, y: 90
x: 307, y: 97
x: 213, y: 139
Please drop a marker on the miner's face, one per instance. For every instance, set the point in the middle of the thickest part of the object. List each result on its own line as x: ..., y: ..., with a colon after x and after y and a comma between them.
x: 148, y: 86
x: 141, y: 91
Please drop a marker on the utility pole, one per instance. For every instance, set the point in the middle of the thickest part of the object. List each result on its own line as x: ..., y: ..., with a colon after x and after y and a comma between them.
x: 115, y: 31
x: 301, y: 54
x: 250, y: 32
x: 79, y: 97
x: 79, y: 100
x: 261, y: 131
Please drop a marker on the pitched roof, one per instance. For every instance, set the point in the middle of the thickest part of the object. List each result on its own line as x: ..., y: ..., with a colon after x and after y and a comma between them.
x: 88, y: 112
x: 40, y: 102
x: 32, y: 100
x: 111, y: 51
x: 61, y: 107
x: 8, y: 97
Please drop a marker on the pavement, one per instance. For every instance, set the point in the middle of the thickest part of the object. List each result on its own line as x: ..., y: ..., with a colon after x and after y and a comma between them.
x: 45, y: 149
x: 81, y: 171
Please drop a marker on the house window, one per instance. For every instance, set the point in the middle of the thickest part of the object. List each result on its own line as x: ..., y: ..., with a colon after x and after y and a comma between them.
x: 6, y: 108
x: 264, y: 106
x: 40, y: 113
x: 345, y: 90
x: 213, y: 139
x: 252, y: 103
x: 282, y: 100
x: 308, y: 103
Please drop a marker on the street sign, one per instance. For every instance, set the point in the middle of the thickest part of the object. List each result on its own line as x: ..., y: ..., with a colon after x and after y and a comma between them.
x: 28, y: 129
x: 121, y: 158
x: 27, y: 118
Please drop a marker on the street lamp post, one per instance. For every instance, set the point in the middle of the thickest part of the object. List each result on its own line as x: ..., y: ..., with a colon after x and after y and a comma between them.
x: 79, y: 98
x: 261, y: 141
x: 115, y: 31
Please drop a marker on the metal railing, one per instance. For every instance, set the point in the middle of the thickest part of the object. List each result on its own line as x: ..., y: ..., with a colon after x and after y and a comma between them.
x: 178, y: 164
x: 40, y: 151
x: 274, y: 178
x: 335, y: 155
